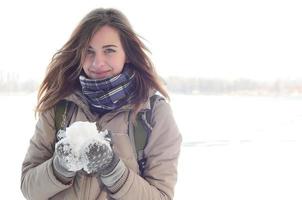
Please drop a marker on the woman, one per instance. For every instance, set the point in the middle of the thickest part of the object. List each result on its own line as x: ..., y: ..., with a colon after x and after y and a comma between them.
x: 103, y: 70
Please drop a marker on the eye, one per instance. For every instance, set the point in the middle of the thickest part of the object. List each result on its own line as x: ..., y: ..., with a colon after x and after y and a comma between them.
x: 109, y: 50
x: 89, y: 52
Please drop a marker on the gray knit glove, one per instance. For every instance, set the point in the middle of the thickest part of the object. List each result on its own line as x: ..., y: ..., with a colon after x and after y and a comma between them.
x: 102, y: 161
x: 99, y: 156
x: 63, y: 159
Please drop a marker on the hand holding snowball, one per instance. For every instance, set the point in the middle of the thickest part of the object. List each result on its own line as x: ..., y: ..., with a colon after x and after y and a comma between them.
x: 63, y: 158
x: 83, y: 147
x: 99, y: 156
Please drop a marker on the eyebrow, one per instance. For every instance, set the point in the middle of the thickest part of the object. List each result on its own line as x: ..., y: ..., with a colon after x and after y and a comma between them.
x: 105, y: 46
x: 109, y: 45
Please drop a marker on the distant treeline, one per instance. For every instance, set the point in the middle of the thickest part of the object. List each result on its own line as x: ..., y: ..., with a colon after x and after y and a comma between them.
x: 10, y: 83
x: 237, y: 86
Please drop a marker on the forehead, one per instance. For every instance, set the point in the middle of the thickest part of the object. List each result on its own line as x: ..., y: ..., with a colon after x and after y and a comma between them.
x: 104, y: 36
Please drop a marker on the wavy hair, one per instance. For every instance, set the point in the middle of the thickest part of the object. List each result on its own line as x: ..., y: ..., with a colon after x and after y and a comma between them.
x: 66, y: 65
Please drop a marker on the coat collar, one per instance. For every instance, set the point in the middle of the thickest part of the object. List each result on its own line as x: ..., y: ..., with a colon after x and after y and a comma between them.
x: 78, y: 98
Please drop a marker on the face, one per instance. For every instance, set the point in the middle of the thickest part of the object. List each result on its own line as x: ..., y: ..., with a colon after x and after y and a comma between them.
x: 105, y: 56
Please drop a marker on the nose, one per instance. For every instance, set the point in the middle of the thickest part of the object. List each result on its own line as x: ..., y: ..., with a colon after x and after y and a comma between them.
x: 98, y: 61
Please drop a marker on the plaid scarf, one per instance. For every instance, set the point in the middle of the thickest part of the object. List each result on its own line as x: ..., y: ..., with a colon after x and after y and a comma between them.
x: 109, y: 94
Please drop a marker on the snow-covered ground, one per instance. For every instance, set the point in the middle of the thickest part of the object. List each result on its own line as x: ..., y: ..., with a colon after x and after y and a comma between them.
x: 233, y: 147
x: 239, y: 148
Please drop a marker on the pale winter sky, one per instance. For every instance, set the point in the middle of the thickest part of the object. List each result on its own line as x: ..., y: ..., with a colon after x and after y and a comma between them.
x: 259, y: 39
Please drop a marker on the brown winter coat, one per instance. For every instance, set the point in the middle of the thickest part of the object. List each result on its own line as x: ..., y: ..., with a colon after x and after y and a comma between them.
x: 38, y: 181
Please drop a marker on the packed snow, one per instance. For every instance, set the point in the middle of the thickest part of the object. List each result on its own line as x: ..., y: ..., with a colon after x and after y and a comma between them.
x: 78, y: 136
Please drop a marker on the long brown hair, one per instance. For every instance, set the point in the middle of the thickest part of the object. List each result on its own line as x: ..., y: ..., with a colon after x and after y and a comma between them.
x: 66, y: 65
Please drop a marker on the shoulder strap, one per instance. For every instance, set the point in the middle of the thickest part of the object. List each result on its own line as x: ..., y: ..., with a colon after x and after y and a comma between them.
x: 63, y: 113
x: 60, y: 112
x: 142, y: 130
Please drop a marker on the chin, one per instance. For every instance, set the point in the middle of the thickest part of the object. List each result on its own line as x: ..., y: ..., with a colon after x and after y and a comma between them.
x: 101, y: 77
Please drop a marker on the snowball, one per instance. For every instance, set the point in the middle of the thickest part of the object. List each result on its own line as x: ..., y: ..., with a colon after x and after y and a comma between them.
x: 79, y: 135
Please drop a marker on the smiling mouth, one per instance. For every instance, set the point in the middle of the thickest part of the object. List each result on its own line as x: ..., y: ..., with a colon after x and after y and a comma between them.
x: 103, y: 74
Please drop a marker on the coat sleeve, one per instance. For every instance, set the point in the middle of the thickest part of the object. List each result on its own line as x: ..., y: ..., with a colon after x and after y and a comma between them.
x: 161, y: 152
x: 37, y: 179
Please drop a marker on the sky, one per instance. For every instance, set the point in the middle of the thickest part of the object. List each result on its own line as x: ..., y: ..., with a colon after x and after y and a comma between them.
x: 259, y: 39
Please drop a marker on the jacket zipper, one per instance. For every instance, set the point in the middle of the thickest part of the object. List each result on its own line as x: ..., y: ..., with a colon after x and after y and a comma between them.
x: 88, y: 188
x: 83, y: 187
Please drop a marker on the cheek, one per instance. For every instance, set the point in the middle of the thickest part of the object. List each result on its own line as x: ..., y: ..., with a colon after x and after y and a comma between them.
x: 86, y: 65
x: 119, y: 68
x: 119, y: 63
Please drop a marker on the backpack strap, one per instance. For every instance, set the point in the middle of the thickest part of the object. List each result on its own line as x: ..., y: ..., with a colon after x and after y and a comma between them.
x: 142, y: 130
x: 63, y: 112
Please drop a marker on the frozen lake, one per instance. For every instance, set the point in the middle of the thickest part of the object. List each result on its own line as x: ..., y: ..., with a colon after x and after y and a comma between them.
x: 233, y: 147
